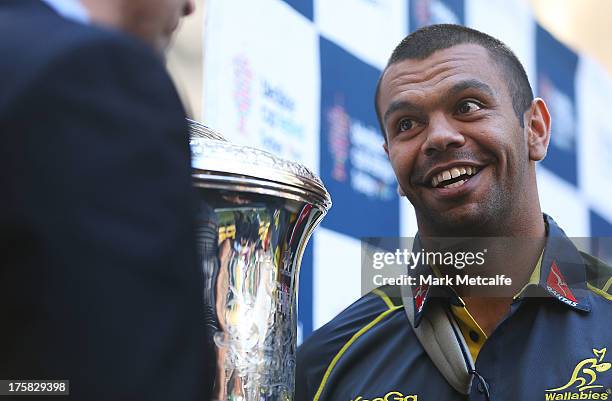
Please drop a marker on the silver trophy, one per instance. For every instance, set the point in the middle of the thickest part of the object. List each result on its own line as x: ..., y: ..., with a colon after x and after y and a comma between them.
x: 255, y: 216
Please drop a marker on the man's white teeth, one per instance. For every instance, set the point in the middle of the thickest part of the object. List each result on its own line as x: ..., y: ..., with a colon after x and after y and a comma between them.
x: 455, y: 184
x: 453, y: 173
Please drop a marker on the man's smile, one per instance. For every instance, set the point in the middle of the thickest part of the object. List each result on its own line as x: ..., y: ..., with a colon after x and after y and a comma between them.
x: 451, y: 177
x: 453, y: 180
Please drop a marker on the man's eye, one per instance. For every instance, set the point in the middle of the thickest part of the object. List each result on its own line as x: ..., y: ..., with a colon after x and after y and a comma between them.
x: 405, y: 124
x: 468, y: 107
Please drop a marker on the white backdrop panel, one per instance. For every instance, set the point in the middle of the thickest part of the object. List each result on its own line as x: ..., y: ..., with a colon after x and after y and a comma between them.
x: 563, y: 203
x: 509, y: 21
x: 594, y: 102
x: 337, y: 274
x: 370, y: 29
x: 408, y: 223
x: 261, y: 85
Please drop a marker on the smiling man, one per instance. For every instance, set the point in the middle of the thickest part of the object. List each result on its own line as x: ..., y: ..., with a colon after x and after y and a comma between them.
x: 463, y: 133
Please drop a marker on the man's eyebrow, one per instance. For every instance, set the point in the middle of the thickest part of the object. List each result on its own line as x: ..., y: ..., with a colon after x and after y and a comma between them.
x: 399, y: 105
x: 470, y: 84
x: 453, y: 91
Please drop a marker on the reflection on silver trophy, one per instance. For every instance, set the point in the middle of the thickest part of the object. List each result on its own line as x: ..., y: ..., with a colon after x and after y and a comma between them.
x: 255, y: 216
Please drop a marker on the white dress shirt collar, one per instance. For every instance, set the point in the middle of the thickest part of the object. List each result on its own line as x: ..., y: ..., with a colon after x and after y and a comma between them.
x: 71, y: 9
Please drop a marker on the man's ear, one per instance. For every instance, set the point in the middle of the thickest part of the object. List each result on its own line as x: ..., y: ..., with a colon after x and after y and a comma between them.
x: 538, y: 129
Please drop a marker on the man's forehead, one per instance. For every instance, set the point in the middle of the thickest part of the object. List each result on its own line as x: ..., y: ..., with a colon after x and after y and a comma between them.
x: 466, y: 56
x: 466, y: 60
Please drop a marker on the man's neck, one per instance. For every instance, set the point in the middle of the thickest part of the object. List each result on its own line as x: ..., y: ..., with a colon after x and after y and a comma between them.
x: 514, y: 254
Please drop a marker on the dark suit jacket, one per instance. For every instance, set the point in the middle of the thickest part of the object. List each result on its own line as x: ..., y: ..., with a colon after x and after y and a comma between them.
x: 98, y: 275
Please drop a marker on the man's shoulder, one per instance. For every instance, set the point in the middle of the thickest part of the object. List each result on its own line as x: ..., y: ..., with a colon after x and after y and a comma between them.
x: 336, y: 340
x: 72, y: 58
x: 36, y: 32
x: 599, y: 276
x: 357, y: 316
x: 34, y: 39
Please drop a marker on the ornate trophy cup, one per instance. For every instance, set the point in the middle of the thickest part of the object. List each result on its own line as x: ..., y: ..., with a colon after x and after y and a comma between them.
x: 255, y: 216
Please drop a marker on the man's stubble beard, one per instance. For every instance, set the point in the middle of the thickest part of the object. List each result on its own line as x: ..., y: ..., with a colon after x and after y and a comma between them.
x: 477, y: 219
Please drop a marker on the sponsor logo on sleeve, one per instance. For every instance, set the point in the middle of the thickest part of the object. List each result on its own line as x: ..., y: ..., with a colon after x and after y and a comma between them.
x: 390, y: 396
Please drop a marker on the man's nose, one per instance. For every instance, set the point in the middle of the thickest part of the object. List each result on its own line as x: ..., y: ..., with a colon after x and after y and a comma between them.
x: 441, y: 134
x: 189, y: 8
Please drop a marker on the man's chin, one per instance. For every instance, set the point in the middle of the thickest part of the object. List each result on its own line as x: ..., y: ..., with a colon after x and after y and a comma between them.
x: 460, y: 222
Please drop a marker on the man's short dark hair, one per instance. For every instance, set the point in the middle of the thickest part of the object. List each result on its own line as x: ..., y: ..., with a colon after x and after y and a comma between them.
x: 423, y: 42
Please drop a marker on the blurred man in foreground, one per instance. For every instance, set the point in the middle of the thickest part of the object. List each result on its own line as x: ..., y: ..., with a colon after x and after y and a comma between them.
x: 99, y: 283
x: 463, y: 133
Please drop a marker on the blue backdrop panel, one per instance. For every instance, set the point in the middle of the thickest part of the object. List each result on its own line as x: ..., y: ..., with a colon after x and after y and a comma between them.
x: 428, y: 12
x: 601, y: 234
x: 600, y: 227
x: 353, y: 165
x: 304, y: 7
x: 305, y: 294
x: 556, y: 72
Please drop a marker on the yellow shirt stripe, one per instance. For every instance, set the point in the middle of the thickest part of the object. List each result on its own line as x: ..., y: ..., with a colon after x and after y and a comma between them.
x: 354, y: 338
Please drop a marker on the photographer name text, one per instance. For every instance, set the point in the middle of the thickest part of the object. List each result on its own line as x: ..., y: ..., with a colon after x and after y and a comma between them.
x: 457, y: 280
